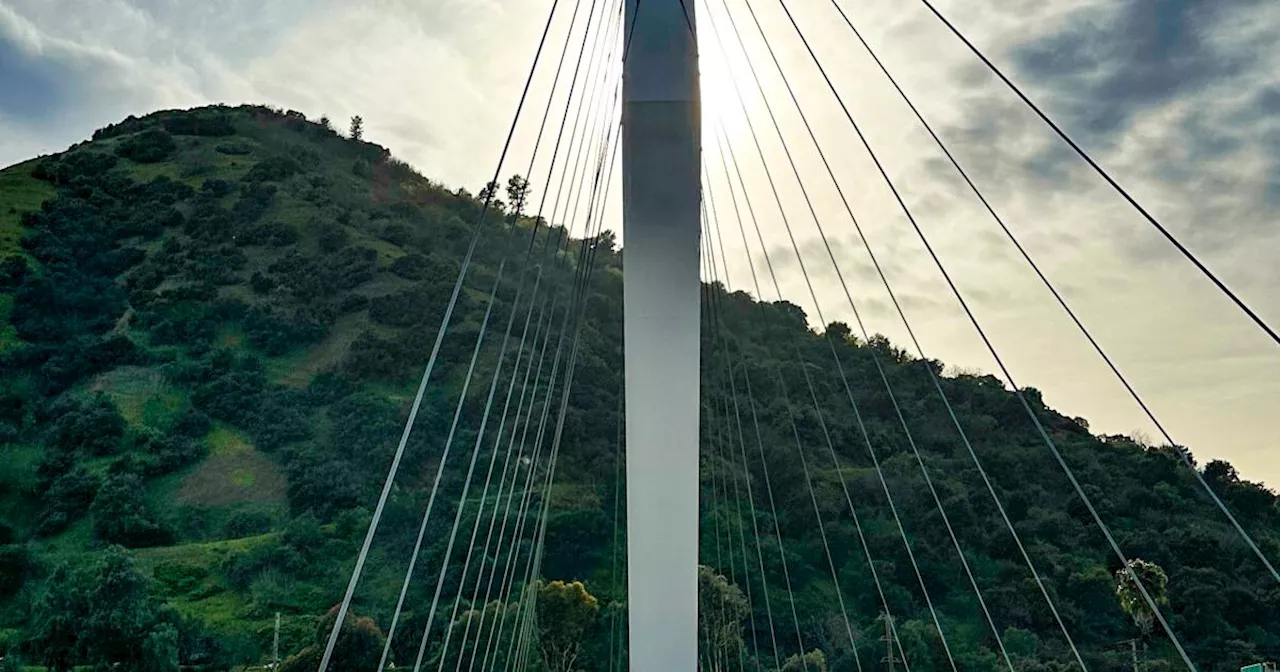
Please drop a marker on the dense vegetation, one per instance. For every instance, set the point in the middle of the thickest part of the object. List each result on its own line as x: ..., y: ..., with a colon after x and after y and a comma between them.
x: 211, y: 327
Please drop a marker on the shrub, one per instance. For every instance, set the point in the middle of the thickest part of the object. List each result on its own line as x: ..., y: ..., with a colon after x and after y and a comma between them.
x: 150, y: 146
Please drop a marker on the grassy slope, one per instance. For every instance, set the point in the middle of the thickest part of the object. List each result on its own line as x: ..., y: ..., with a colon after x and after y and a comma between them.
x: 22, y: 193
x: 235, y: 475
x: 235, y: 478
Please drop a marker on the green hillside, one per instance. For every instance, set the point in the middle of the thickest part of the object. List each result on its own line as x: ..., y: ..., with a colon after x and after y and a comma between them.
x: 212, y: 324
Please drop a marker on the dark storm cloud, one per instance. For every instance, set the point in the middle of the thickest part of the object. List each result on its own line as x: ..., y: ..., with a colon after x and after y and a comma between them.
x: 31, y: 87
x: 1151, y: 52
x: 1173, y: 97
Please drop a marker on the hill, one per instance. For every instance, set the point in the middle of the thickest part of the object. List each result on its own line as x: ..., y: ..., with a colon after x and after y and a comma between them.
x: 211, y: 327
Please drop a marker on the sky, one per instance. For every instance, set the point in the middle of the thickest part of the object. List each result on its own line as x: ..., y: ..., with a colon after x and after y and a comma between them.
x: 1178, y: 99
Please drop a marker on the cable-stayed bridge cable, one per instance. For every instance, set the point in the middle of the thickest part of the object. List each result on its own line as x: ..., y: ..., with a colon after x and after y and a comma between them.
x: 764, y: 589
x: 508, y: 572
x: 462, y: 397
x: 585, y: 267
x: 1124, y: 193
x: 844, y: 613
x: 933, y: 377
x: 391, y: 631
x: 1182, y: 454
x: 726, y: 147
x: 857, y: 523
x: 1049, y: 442
x: 520, y: 515
x: 995, y: 631
x: 538, y: 441
x: 773, y: 509
x: 605, y: 33
x: 435, y: 352
x: 720, y: 435
x: 866, y: 335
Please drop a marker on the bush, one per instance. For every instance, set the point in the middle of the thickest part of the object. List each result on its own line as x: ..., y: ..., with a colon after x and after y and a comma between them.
x: 67, y: 498
x: 150, y: 146
x: 233, y: 149
x: 403, y: 309
x: 247, y: 524
x: 276, y: 329
x: 93, y: 426
x: 121, y: 515
x: 274, y: 169
x: 411, y: 267
x: 14, y: 564
x: 397, y: 234
x: 213, y: 126
x: 353, y: 303
x: 168, y: 453
x: 333, y: 236
x: 13, y: 270
x: 214, y: 188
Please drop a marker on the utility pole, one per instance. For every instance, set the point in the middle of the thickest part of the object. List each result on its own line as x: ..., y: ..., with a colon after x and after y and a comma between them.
x: 662, y: 198
x: 275, y: 646
x: 888, y: 639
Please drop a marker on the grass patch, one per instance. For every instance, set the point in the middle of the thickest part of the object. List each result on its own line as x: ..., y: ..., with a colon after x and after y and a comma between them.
x: 22, y: 193
x: 204, y: 554
x: 74, y: 539
x: 144, y: 397
x: 187, y: 575
x: 387, y: 251
x: 234, y: 473
x: 300, y: 368
x: 145, y: 172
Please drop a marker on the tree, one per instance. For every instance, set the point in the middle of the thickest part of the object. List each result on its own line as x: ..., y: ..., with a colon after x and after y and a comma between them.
x: 160, y: 650
x: 814, y: 661
x: 54, y: 632
x: 359, y: 645
x: 357, y: 128
x: 1221, y: 475
x: 722, y: 608
x: 517, y: 193
x: 101, y: 614
x: 564, y: 613
x: 326, y: 123
x: 120, y: 613
x: 121, y: 514
x: 1131, y: 599
x: 489, y: 196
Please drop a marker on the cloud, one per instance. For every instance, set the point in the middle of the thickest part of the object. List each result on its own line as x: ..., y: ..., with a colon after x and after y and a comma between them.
x: 434, y: 81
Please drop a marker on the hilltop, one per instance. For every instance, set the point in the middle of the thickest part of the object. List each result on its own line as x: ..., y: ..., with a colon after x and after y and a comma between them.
x: 212, y: 323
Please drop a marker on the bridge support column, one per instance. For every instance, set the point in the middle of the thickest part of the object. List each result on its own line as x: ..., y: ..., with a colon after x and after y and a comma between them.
x: 661, y: 159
